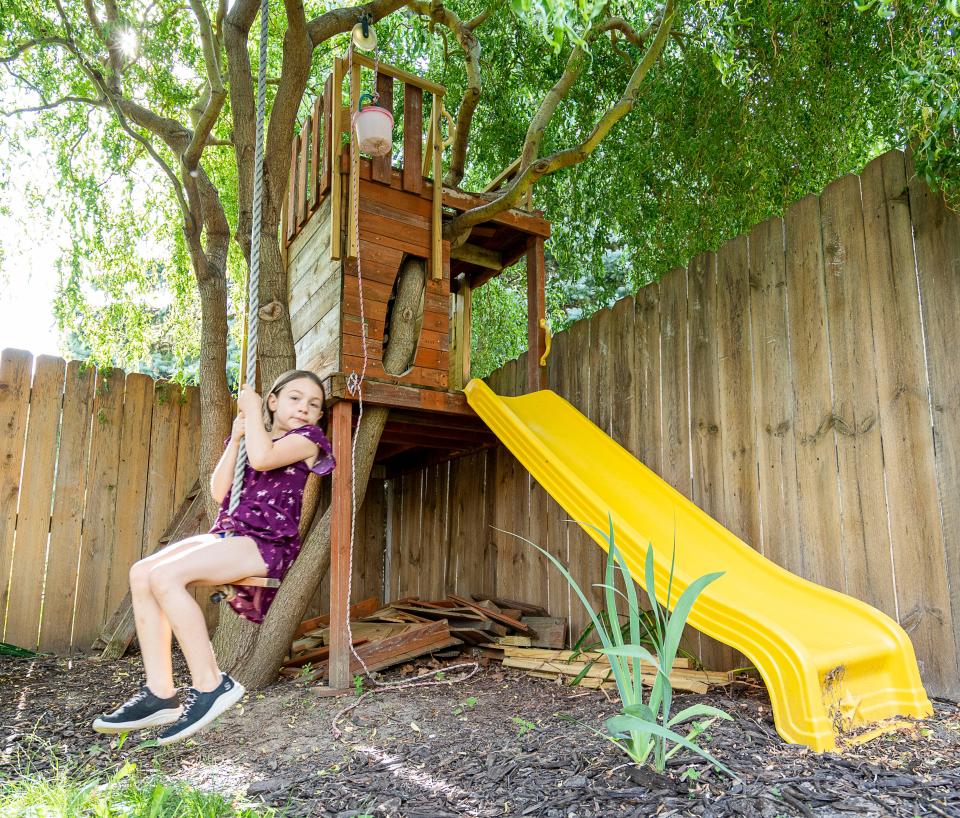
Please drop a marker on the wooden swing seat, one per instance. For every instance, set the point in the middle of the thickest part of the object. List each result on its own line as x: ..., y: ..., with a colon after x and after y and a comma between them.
x: 228, y: 590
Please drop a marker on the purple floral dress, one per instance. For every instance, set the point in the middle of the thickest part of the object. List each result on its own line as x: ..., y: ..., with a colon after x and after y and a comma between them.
x: 269, y: 513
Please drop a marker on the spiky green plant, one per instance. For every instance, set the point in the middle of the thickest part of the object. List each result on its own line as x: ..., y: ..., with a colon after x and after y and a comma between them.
x: 645, y: 730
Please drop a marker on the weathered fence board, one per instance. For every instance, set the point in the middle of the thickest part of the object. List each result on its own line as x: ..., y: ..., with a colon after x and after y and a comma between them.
x: 936, y: 231
x: 908, y: 452
x: 821, y: 557
x: 789, y: 387
x: 67, y: 522
x: 73, y: 523
x: 15, y: 368
x: 100, y: 513
x: 36, y: 497
x: 863, y: 510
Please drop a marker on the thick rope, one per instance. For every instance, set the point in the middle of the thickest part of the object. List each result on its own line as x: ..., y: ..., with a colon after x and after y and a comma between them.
x: 253, y: 298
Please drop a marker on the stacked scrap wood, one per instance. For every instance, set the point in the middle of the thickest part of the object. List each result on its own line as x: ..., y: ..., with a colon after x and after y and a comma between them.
x: 596, y: 671
x: 410, y: 627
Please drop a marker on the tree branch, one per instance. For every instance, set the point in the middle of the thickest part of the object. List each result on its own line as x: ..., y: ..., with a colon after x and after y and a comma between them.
x: 471, y: 95
x: 536, y: 170
x: 236, y: 33
x: 215, y: 93
x: 56, y: 104
x: 23, y: 48
x: 337, y: 21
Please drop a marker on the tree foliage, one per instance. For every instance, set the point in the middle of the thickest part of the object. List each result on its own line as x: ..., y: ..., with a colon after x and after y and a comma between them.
x: 752, y: 105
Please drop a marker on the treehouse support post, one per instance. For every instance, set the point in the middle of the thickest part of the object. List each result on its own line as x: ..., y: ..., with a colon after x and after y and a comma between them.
x: 340, y: 512
x: 536, y: 313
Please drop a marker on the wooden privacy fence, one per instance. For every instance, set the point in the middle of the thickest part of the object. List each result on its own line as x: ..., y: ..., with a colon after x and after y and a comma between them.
x: 92, y: 465
x: 802, y: 385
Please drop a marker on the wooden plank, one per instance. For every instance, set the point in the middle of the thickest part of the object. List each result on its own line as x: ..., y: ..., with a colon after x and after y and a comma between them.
x: 865, y: 534
x: 67, y: 521
x: 585, y: 557
x: 674, y: 373
x: 35, y: 483
x: 937, y: 246
x: 559, y: 598
x: 526, y: 222
x: 434, y: 529
x: 598, y: 361
x: 133, y: 469
x: 468, y: 555
x: 100, y: 515
x: 316, y: 152
x: 675, y: 421
x: 741, y: 512
x: 647, y: 385
x: 381, y: 167
x: 353, y: 246
x: 302, y: 195
x: 922, y: 594
x: 402, y: 396
x: 410, y: 565
x: 706, y: 437
x: 15, y: 372
x: 436, y: 228
x: 822, y: 557
x: 623, y: 414
x: 369, y: 544
x: 772, y: 397
x: 536, y: 311
x: 405, y: 231
x: 340, y: 509
x: 398, y: 73
x: 33, y: 521
x: 412, y: 137
x: 292, y: 191
x: 336, y: 150
x: 358, y: 610
x: 327, y: 146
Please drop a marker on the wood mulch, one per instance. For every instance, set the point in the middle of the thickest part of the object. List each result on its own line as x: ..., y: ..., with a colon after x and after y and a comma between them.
x: 500, y: 743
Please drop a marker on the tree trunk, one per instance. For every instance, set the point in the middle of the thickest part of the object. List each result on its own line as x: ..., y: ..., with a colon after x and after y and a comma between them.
x: 253, y: 654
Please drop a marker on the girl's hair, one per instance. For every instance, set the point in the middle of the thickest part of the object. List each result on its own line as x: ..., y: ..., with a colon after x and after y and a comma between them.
x: 284, y: 380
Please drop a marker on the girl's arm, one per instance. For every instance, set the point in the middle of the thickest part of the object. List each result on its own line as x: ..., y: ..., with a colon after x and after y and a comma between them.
x: 263, y: 452
x: 221, y: 481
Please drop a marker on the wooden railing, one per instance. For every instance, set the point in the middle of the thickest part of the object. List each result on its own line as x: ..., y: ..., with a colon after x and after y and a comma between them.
x: 316, y: 157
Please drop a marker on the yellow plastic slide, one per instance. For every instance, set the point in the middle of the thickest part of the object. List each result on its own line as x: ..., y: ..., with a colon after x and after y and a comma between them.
x: 832, y: 665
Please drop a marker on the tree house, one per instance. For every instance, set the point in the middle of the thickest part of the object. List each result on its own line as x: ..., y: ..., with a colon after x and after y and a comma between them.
x: 346, y: 214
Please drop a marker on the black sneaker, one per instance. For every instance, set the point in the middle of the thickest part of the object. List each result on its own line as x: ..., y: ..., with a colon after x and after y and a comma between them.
x: 200, y: 709
x: 143, y: 710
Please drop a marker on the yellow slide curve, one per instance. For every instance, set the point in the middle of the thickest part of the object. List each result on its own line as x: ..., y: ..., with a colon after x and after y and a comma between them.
x: 832, y: 664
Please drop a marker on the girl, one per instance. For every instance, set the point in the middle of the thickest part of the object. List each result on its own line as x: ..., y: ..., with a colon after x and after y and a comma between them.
x: 261, y: 539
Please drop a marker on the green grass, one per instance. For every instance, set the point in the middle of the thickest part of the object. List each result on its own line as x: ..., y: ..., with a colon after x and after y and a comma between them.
x: 57, y: 793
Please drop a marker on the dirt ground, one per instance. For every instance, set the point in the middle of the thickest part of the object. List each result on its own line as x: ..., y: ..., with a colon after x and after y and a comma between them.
x: 497, y: 744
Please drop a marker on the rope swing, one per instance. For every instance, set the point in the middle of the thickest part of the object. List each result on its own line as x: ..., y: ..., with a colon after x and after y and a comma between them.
x: 253, y: 289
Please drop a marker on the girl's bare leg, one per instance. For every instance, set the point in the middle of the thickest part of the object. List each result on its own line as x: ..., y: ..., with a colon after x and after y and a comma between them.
x: 153, y: 627
x: 212, y: 561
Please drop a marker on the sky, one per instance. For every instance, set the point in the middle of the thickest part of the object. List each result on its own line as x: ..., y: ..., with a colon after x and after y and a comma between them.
x: 31, y: 242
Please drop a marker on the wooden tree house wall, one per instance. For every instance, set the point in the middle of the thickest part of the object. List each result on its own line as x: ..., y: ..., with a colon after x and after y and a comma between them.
x: 400, y: 212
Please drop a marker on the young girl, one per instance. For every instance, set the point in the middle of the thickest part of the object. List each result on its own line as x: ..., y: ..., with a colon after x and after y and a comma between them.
x: 261, y: 540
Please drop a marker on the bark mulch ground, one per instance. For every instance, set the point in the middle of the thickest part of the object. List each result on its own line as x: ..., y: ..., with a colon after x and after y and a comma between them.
x: 499, y: 744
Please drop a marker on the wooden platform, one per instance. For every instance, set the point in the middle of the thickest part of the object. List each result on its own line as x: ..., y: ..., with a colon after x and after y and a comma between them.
x: 425, y: 425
